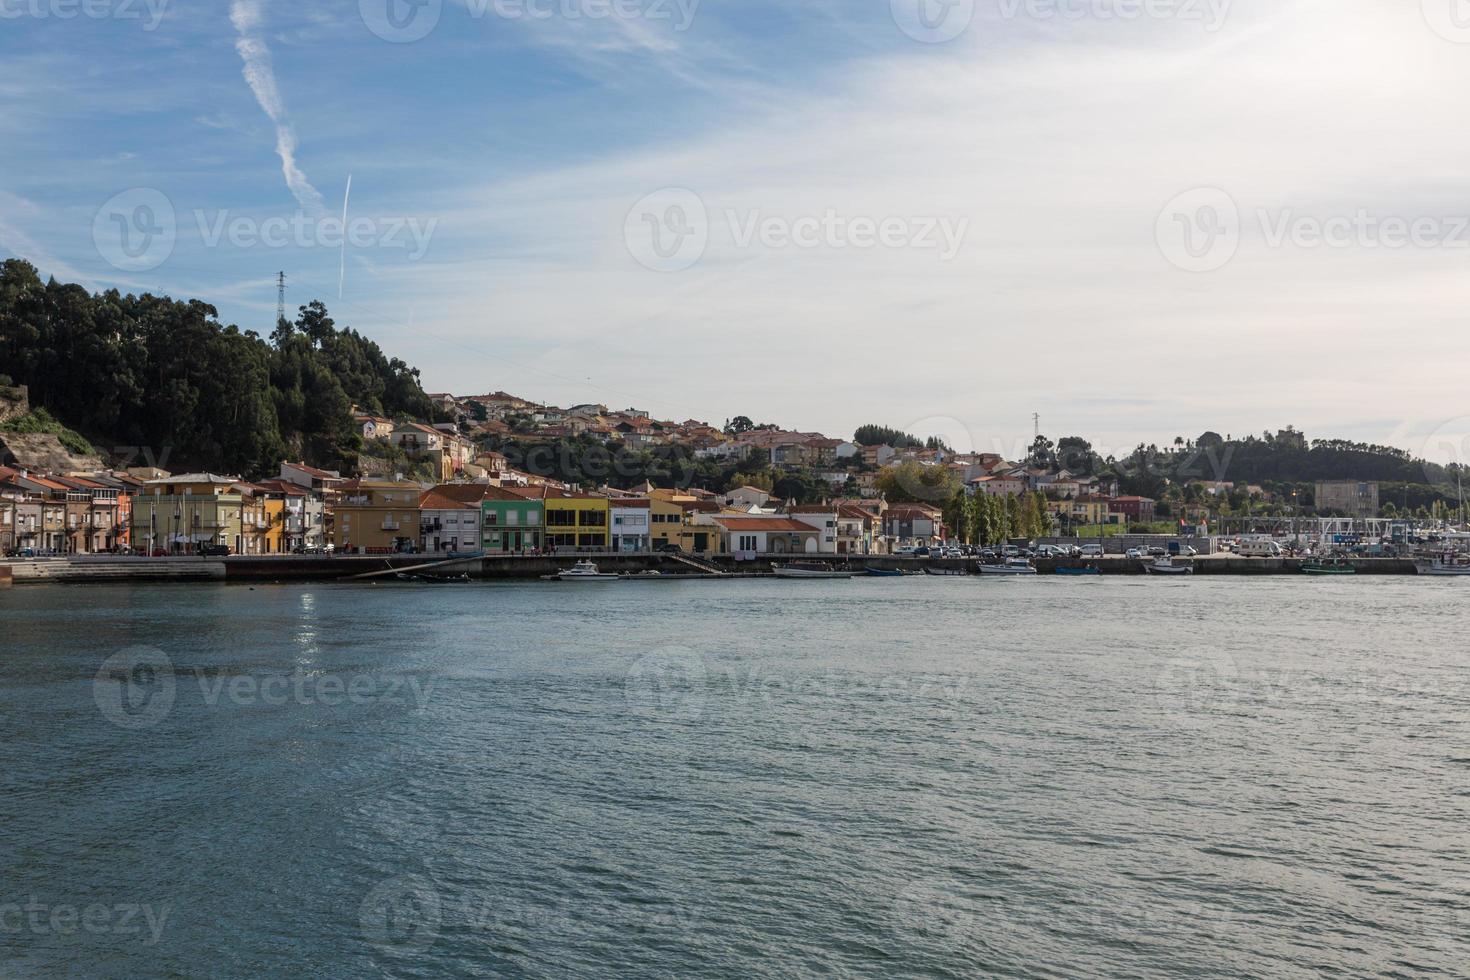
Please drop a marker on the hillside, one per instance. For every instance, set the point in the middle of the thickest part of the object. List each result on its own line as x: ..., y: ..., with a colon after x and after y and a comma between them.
x: 163, y: 378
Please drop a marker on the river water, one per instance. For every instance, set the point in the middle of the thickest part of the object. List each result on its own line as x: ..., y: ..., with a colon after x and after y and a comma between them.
x: 919, y: 777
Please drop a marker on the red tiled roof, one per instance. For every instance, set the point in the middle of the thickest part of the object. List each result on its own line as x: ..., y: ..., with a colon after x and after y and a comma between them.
x: 738, y: 523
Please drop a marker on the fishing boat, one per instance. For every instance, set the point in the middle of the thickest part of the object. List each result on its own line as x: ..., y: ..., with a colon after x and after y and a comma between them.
x: 1167, y: 566
x: 810, y: 569
x: 1448, y: 564
x: 433, y: 579
x: 1329, y: 566
x: 1012, y: 566
x: 586, y: 571
x: 1078, y: 570
x: 931, y: 570
x: 884, y: 572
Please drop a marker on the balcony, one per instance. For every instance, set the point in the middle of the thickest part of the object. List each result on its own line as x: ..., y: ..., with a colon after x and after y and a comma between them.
x: 391, y: 526
x: 427, y: 527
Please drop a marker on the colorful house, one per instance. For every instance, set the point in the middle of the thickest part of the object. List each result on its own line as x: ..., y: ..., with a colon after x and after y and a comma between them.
x: 512, y: 520
x: 179, y: 514
x: 577, y: 520
x: 377, y: 516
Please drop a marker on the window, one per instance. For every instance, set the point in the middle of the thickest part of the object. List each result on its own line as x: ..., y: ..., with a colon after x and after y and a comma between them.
x: 589, y: 540
x: 533, y: 517
x: 512, y: 518
x: 492, y: 519
x: 592, y: 518
x: 561, y: 518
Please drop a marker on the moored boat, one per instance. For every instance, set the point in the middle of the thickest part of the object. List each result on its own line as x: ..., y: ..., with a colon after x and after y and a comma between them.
x: 1167, y: 566
x: 1078, y: 570
x: 1447, y: 565
x: 810, y: 569
x: 586, y: 571
x: 1329, y: 566
x: 884, y: 572
x: 1012, y: 566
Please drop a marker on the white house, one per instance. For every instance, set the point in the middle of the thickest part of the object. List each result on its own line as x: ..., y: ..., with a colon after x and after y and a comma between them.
x: 630, y: 525
x: 824, y: 519
x: 746, y: 498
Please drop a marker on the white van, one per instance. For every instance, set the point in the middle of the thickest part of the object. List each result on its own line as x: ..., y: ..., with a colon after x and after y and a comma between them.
x: 1258, y: 549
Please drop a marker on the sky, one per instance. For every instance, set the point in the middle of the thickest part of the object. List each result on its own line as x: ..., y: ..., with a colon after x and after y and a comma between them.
x: 1137, y: 219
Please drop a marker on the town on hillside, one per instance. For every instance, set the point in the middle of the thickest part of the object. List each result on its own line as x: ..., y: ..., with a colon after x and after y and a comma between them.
x: 500, y: 474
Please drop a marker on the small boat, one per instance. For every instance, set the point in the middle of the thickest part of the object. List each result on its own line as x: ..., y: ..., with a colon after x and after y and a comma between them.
x: 432, y: 579
x: 884, y: 572
x: 1167, y: 566
x: 931, y: 570
x: 1012, y: 566
x: 810, y: 569
x: 586, y: 571
x: 1328, y: 566
x: 1078, y: 570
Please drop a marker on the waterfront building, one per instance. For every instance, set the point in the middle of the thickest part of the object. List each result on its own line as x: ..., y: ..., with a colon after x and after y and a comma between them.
x: 178, y: 514
x: 576, y: 520
x: 450, y: 517
x: 513, y: 521
x: 823, y: 517
x: 376, y: 516
x: 918, y: 525
x: 303, y: 516
x: 632, y: 524
x: 761, y: 535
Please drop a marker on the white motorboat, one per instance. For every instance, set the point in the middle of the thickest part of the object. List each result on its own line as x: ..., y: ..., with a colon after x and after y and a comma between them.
x: 1012, y: 566
x: 1168, y: 566
x: 586, y: 571
x: 810, y: 570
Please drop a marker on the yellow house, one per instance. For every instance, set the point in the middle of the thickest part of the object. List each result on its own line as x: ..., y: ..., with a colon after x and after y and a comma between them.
x: 577, y: 520
x: 263, y: 519
x: 180, y: 514
x: 676, y: 519
x: 376, y: 516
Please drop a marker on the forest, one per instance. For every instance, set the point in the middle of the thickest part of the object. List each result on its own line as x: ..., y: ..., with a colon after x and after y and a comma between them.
x: 150, y: 377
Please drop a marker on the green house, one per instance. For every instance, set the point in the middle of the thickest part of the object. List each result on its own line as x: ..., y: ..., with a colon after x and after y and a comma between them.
x: 514, y: 520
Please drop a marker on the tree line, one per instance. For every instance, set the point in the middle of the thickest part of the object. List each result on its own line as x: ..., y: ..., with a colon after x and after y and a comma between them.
x: 166, y: 376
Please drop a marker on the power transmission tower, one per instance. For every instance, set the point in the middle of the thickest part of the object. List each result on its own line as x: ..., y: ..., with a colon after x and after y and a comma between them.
x: 1036, y: 425
x: 280, y: 299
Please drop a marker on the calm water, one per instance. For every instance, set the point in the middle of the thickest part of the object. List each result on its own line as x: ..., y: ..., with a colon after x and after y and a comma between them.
x: 933, y: 777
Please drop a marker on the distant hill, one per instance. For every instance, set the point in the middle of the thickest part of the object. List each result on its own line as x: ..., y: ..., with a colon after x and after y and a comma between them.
x: 160, y: 377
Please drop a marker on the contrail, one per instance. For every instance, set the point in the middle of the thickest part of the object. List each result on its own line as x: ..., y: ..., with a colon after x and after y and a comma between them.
x: 260, y: 75
x: 342, y: 271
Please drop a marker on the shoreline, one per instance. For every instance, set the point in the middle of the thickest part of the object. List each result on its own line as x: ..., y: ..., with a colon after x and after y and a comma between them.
x: 318, y: 568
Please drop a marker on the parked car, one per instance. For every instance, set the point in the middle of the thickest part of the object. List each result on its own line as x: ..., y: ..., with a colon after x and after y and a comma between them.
x: 158, y: 553
x: 214, y: 550
x: 670, y: 548
x: 1157, y: 553
x: 1135, y: 553
x: 921, y: 552
x: 987, y: 554
x: 1092, y: 551
x: 1010, y: 551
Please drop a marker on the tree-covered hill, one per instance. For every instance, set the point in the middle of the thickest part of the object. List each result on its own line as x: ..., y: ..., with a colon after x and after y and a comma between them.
x: 165, y: 376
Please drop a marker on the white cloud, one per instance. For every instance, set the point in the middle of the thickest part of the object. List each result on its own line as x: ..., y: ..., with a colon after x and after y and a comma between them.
x: 247, y: 16
x: 1060, y: 143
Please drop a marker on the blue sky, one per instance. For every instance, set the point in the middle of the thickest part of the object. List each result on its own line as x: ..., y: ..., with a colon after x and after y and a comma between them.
x: 1139, y: 218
